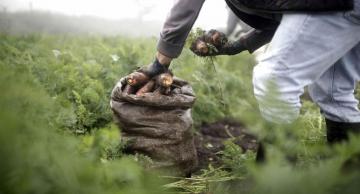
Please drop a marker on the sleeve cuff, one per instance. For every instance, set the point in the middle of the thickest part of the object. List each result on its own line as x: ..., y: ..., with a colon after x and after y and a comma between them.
x: 168, y: 49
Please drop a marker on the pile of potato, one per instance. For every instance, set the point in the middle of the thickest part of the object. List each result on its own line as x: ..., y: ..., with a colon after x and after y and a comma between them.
x: 139, y: 83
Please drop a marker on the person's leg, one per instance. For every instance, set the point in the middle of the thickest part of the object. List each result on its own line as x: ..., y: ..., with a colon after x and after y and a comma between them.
x: 304, y: 47
x: 334, y: 93
x: 334, y: 90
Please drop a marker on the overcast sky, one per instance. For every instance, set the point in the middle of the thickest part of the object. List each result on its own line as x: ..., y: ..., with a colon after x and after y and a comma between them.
x: 213, y: 14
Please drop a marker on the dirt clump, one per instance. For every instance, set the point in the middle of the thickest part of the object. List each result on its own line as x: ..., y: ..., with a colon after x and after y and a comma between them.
x: 209, y: 140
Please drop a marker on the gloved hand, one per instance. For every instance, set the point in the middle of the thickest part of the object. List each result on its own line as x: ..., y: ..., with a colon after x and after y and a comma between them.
x: 215, y: 43
x: 155, y: 68
x: 144, y: 74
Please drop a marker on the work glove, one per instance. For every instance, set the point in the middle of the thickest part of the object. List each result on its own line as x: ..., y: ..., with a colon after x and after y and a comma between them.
x: 154, y: 69
x: 143, y: 75
x: 214, y: 43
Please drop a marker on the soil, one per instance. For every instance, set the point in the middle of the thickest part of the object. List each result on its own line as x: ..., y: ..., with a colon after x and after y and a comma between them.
x: 209, y: 140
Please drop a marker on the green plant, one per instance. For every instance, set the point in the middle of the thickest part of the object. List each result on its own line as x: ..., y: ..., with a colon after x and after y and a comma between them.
x: 57, y: 134
x: 39, y: 159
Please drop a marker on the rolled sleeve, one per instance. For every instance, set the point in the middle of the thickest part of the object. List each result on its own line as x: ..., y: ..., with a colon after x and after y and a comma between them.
x: 169, y: 49
x: 177, y: 26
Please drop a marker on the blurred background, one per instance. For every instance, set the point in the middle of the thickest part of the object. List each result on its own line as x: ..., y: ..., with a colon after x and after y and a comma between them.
x: 59, y: 61
x: 105, y: 17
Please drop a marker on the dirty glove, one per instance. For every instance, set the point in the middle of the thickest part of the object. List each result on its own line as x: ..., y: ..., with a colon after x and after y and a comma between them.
x: 155, y: 68
x: 143, y: 75
x: 215, y: 43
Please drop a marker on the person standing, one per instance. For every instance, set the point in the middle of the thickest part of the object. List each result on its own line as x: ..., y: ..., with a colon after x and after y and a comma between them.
x: 312, y: 44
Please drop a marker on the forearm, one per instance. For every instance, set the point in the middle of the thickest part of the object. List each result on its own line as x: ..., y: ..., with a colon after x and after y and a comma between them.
x: 255, y: 39
x: 177, y: 27
x: 251, y: 41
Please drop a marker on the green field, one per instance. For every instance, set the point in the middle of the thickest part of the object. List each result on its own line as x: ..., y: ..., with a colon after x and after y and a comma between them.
x: 57, y: 133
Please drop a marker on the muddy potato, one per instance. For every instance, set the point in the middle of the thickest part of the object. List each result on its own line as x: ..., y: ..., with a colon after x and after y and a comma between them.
x: 202, y: 47
x: 216, y: 38
x: 165, y: 80
x: 137, y: 79
x: 148, y: 87
x: 199, y: 47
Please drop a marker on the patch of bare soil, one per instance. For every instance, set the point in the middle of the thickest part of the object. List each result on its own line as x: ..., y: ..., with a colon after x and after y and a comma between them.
x: 209, y: 140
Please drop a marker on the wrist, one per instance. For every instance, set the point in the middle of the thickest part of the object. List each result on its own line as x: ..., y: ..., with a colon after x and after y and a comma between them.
x: 233, y: 48
x: 163, y: 59
x: 156, y: 68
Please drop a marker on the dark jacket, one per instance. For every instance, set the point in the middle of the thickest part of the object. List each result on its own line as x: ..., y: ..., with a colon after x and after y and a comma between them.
x: 293, y: 5
x: 263, y: 15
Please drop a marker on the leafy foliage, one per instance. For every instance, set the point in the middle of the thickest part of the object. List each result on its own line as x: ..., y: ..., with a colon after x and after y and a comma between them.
x: 37, y: 159
x: 57, y: 134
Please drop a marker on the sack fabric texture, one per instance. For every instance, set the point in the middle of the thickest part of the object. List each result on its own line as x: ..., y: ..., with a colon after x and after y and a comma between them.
x: 158, y: 126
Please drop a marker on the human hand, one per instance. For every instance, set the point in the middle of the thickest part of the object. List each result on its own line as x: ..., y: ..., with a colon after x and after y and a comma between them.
x: 215, y: 43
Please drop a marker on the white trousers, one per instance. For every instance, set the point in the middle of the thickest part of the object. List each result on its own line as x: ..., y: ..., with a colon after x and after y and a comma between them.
x: 321, y: 51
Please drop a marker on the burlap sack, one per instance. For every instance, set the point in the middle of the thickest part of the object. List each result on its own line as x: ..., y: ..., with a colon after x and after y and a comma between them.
x: 158, y: 126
